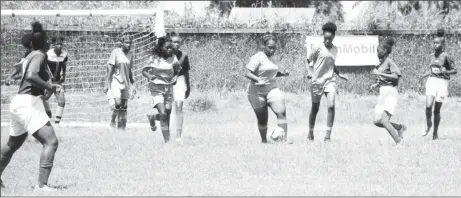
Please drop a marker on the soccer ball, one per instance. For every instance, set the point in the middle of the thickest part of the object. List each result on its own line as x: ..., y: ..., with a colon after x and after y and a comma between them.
x: 277, y: 134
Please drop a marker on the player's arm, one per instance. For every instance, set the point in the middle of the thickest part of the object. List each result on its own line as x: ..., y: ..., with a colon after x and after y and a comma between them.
x: 394, y: 75
x: 250, y: 68
x: 311, y: 57
x: 131, y: 71
x: 451, y: 69
x: 64, y: 69
x: 336, y: 70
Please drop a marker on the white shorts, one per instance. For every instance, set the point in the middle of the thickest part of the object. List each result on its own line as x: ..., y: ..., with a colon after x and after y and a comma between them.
x: 438, y: 88
x: 317, y: 92
x: 161, y: 93
x: 387, y: 100
x: 28, y: 114
x: 261, y: 100
x: 180, y: 88
x: 117, y: 90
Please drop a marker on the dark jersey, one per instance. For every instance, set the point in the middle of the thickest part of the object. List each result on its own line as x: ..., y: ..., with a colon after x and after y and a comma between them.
x: 388, y: 67
x: 184, y: 62
x: 56, y: 63
x: 36, y: 63
x: 439, y: 63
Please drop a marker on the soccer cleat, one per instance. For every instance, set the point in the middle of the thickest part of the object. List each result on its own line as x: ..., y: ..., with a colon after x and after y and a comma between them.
x: 310, y: 137
x: 435, y: 136
x: 152, y: 122
x: 112, y: 125
x: 44, y: 188
x: 402, y: 130
x: 425, y: 132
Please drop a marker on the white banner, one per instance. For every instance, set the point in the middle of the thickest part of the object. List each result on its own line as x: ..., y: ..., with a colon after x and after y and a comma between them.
x: 352, y: 50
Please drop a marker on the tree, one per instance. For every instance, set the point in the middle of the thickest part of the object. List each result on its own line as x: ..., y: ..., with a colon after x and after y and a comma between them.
x: 406, y: 7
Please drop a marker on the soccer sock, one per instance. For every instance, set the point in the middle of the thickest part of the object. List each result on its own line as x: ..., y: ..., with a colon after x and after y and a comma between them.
x: 263, y: 132
x: 179, y: 123
x: 330, y: 121
x: 122, y: 118
x: 4, y: 161
x: 396, y: 126
x: 115, y: 113
x: 282, y: 123
x: 312, y: 118
x: 428, y: 117
x: 165, y: 130
x: 59, y: 111
x: 46, y: 163
x: 436, y: 125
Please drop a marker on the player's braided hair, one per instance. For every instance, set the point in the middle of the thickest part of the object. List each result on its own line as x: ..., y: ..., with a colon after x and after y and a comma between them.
x: 267, y: 37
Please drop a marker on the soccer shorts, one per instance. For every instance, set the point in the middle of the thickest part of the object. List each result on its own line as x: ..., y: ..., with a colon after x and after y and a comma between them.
x: 387, y: 100
x: 258, y: 100
x: 180, y: 88
x: 161, y: 93
x: 318, y: 90
x: 28, y: 114
x: 438, y: 88
x: 117, y: 90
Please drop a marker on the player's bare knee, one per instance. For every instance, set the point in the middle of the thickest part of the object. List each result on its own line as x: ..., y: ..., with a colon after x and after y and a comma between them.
x: 378, y: 121
x: 62, y: 103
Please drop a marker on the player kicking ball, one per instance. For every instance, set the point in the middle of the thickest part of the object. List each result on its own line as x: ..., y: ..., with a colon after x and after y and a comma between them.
x: 388, y: 75
x: 440, y: 69
x: 263, y: 91
x: 162, y: 71
x: 322, y: 70
x: 57, y: 62
x: 181, y: 89
x: 28, y: 113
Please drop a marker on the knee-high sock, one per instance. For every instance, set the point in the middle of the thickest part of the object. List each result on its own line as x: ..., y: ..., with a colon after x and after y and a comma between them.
x: 263, y: 132
x: 59, y: 112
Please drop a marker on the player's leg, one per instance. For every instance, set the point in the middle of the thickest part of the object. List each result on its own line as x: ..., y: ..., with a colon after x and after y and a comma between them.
x: 61, y: 103
x: 431, y: 92
x: 164, y: 120
x: 122, y: 115
x: 276, y: 101
x: 316, y: 97
x: 117, y: 110
x: 179, y: 93
x: 13, y: 144
x: 259, y: 105
x: 48, y: 139
x: 437, y: 107
x: 47, y: 108
x: 382, y: 120
x: 331, y: 113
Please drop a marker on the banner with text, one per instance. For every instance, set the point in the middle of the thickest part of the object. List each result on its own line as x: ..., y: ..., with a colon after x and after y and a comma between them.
x: 352, y: 50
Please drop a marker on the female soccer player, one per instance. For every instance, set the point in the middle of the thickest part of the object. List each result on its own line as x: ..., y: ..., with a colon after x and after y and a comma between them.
x: 57, y: 62
x: 440, y: 69
x: 28, y: 112
x: 17, y: 72
x: 181, y: 89
x: 263, y: 91
x: 162, y: 72
x: 322, y: 69
x: 388, y: 79
x: 119, y: 80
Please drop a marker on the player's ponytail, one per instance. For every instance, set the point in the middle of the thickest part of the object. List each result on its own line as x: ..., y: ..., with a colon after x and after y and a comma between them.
x: 441, y: 34
x: 266, y: 38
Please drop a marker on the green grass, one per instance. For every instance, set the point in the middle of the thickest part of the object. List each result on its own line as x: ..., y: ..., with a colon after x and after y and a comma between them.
x: 221, y: 154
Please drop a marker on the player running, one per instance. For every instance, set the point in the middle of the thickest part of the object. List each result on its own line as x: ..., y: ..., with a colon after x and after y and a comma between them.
x: 181, y: 89
x: 321, y: 70
x: 28, y: 112
x: 388, y: 79
x: 162, y: 72
x: 119, y: 81
x: 57, y: 62
x: 441, y: 67
x: 263, y: 90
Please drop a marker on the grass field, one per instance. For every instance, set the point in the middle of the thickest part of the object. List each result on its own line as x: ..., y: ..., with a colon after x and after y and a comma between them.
x: 221, y: 154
